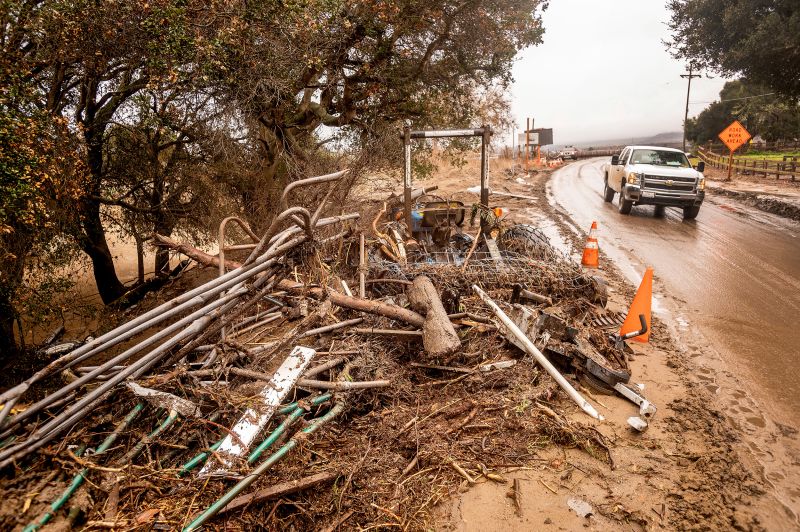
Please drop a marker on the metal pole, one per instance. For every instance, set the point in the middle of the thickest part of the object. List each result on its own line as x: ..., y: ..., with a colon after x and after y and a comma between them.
x: 407, y: 175
x: 362, y: 267
x: 527, y: 140
x: 487, y: 132
x: 514, y: 330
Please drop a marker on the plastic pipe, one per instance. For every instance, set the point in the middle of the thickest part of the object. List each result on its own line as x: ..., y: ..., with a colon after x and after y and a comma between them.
x: 79, y: 478
x: 223, y: 501
x: 294, y: 415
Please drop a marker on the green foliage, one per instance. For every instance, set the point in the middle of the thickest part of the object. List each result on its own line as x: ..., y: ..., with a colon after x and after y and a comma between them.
x: 755, y: 39
x: 772, y: 117
x: 147, y: 115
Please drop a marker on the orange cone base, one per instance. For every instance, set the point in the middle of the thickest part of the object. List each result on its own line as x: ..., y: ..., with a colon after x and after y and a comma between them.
x: 590, y: 257
x: 642, y: 303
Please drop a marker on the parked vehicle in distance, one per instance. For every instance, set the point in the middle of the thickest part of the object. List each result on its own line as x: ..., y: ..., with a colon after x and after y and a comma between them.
x: 569, y: 152
x: 652, y: 175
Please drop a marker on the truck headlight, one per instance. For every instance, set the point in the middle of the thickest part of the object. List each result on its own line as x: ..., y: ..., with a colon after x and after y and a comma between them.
x: 633, y: 178
x: 701, y: 184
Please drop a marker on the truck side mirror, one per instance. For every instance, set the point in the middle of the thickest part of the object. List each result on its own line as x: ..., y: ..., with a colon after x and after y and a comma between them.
x: 614, y: 160
x: 701, y: 166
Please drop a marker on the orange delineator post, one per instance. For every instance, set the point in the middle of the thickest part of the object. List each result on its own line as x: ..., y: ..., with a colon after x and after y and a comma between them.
x: 642, y: 303
x: 591, y: 251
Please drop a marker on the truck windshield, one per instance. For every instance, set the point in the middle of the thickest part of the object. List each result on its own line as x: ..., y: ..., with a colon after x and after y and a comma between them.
x: 660, y: 158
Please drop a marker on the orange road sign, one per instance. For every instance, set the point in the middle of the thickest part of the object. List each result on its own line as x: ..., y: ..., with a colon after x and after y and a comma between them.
x: 734, y: 136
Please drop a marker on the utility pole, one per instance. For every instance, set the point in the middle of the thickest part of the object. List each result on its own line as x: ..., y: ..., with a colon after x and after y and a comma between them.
x: 688, y: 76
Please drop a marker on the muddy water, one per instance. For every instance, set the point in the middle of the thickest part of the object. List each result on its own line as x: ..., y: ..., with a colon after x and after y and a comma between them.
x: 734, y: 273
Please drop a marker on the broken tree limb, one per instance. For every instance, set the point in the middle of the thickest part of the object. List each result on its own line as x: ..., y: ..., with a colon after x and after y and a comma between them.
x: 356, y: 303
x: 531, y: 349
x: 193, y: 253
x: 439, y: 337
x: 442, y: 368
x: 342, y: 385
x: 316, y: 370
x: 400, y: 334
x: 284, y: 488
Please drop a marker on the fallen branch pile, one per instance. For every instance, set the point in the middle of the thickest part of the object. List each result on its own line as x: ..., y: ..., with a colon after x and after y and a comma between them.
x: 273, y: 378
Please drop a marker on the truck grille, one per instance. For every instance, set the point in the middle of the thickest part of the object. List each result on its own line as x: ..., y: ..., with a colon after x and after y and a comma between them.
x: 668, y: 184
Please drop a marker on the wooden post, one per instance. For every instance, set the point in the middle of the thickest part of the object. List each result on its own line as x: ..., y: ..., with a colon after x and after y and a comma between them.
x: 730, y: 165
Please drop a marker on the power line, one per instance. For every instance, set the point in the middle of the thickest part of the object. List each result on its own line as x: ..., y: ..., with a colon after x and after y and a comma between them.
x: 737, y: 99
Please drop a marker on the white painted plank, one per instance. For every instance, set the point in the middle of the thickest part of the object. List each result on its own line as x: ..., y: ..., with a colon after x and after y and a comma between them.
x: 253, y: 421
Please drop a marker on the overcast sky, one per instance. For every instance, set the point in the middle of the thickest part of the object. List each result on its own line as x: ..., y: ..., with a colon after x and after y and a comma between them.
x: 603, y: 72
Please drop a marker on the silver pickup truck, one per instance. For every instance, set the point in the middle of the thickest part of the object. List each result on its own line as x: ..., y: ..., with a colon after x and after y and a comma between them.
x: 650, y: 175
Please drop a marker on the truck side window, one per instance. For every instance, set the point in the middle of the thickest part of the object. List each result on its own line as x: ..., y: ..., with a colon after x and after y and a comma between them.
x: 623, y: 156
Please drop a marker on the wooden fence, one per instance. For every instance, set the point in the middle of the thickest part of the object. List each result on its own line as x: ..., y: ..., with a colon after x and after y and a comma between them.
x: 787, y: 167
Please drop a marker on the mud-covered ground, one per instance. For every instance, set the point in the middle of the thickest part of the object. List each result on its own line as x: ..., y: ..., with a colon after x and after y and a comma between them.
x: 775, y: 196
x: 690, y: 471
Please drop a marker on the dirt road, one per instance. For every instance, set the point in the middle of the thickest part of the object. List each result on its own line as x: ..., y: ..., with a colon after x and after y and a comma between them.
x: 734, y: 272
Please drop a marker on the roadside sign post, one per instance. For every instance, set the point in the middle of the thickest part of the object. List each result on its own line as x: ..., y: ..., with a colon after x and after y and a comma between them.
x: 734, y: 136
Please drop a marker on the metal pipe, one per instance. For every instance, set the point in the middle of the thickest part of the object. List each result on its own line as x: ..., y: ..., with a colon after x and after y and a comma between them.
x: 200, y: 458
x: 73, y: 414
x: 79, y: 410
x: 309, y: 181
x: 437, y: 133
x: 99, y: 370
x: 407, y: 176
x: 262, y: 468
x: 199, y: 295
x: 269, y: 318
x: 512, y: 328
x: 486, y: 133
x: 362, y: 268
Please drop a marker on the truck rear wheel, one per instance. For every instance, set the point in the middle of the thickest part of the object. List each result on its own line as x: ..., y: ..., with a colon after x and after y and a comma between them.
x: 608, y: 192
x: 690, y: 213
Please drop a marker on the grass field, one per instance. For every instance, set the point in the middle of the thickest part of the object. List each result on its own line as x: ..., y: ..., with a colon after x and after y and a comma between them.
x: 769, y: 155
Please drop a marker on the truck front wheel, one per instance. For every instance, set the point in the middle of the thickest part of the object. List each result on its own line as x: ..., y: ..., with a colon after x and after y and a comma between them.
x: 608, y: 192
x: 690, y: 213
x: 624, y: 205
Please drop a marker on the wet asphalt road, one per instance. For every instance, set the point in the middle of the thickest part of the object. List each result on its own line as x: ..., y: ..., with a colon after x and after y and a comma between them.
x: 734, y: 273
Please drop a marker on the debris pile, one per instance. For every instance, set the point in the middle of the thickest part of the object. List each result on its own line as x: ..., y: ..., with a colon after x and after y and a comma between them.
x: 230, y: 401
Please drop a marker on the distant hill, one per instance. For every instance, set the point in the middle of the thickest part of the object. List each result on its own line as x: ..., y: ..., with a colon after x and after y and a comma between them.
x: 671, y: 138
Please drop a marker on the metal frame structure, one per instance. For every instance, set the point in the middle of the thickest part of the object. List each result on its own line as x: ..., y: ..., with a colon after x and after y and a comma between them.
x: 484, y: 132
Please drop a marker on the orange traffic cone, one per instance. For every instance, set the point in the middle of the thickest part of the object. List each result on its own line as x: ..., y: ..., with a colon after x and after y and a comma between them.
x: 591, y: 252
x: 641, y: 305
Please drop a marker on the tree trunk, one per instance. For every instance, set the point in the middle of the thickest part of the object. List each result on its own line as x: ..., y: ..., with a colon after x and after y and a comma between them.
x: 8, y: 347
x: 11, y: 274
x: 93, y: 237
x: 105, y: 276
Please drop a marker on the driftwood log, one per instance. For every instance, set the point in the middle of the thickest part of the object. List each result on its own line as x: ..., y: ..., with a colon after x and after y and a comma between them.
x: 439, y: 337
